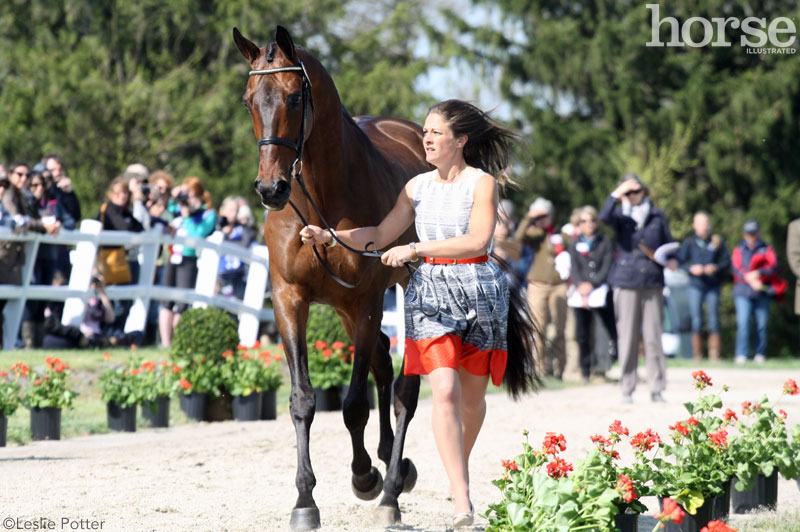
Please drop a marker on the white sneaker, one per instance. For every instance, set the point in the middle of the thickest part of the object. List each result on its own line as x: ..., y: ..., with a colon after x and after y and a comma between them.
x: 759, y: 358
x: 740, y: 360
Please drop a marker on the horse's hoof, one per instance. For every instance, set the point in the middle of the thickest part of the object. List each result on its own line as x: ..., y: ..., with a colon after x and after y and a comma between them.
x: 304, y: 519
x: 375, y: 478
x: 409, y: 475
x: 387, y: 516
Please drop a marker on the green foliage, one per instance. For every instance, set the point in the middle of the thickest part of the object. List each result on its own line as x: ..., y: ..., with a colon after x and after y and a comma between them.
x: 160, y: 83
x: 49, y: 389
x: 9, y: 394
x: 199, y: 374
x: 241, y: 373
x: 206, y: 331
x: 158, y: 380
x: 329, y: 366
x: 122, y: 385
x: 324, y: 324
x: 710, y: 128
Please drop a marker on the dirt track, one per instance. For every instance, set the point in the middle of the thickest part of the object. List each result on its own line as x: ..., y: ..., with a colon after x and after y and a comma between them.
x: 240, y: 476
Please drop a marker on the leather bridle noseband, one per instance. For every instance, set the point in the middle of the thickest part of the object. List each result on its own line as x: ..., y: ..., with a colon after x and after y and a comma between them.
x: 297, y: 167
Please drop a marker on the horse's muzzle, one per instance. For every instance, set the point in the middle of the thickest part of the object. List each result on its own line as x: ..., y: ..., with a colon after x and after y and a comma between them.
x: 275, y: 194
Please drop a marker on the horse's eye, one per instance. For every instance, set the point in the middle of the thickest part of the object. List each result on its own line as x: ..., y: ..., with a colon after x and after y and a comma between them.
x: 246, y: 104
x: 294, y: 100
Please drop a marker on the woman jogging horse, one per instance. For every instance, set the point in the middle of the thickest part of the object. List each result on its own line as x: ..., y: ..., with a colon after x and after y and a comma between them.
x: 457, y: 303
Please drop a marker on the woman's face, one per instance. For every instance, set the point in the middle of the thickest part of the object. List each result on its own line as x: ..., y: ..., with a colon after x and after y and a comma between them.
x: 194, y: 201
x: 37, y: 187
x: 635, y: 196
x: 588, y: 225
x: 119, y: 195
x: 441, y: 147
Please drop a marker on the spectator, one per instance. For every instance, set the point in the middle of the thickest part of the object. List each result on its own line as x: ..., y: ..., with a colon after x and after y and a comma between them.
x: 197, y: 219
x: 139, y: 188
x: 638, y: 283
x: 161, y: 184
x: 98, y: 316
x: 61, y: 187
x: 705, y: 258
x: 793, y: 256
x: 591, y: 255
x: 547, y: 293
x: 237, y: 229
x: 18, y: 211
x: 755, y: 265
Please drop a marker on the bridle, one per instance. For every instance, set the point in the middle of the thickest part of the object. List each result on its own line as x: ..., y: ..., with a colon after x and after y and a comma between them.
x: 297, y: 167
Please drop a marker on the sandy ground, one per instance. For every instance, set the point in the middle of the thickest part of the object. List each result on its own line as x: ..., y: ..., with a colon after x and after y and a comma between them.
x: 240, y: 476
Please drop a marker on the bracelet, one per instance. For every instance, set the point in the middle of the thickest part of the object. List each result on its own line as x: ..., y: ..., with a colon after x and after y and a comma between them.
x: 414, y: 256
x: 333, y: 239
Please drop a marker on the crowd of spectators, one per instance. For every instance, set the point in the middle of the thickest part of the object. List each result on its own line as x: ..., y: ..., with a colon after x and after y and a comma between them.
x: 40, y: 198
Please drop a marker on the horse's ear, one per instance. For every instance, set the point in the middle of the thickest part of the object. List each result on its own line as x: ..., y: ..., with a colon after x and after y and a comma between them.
x: 249, y: 50
x: 285, y: 42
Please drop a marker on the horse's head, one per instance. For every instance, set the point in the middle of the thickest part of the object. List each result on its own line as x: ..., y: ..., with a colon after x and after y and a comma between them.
x: 278, y: 97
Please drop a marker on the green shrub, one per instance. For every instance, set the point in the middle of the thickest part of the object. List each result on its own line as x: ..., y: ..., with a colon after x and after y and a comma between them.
x: 204, y: 331
x: 324, y: 324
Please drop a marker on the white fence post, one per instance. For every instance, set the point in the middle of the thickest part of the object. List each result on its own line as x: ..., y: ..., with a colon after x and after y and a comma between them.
x: 207, y: 269
x: 148, y: 255
x: 83, y: 259
x: 254, y: 297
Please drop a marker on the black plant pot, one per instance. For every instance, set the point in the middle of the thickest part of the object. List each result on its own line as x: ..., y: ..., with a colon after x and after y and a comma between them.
x: 722, y: 504
x: 156, y: 413
x: 763, y: 494
x: 370, y: 395
x: 3, y: 430
x: 121, y: 418
x: 194, y: 405
x: 45, y: 423
x: 269, y: 404
x: 627, y: 522
x: 220, y: 408
x: 328, y: 399
x: 247, y: 407
x: 691, y: 523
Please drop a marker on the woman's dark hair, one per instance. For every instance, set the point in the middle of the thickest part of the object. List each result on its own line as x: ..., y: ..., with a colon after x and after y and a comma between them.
x: 488, y: 145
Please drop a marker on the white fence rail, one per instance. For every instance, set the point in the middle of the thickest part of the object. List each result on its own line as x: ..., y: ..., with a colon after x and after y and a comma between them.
x: 250, y: 310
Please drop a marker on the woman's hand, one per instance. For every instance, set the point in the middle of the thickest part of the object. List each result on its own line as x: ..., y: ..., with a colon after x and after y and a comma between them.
x: 398, y: 256
x: 311, y: 234
x: 625, y: 186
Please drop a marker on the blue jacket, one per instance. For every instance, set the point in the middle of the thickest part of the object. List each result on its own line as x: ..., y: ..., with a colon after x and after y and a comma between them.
x: 632, y: 267
x: 694, y: 250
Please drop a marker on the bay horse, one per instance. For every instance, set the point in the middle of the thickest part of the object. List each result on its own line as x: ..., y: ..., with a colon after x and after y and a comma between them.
x: 353, y: 170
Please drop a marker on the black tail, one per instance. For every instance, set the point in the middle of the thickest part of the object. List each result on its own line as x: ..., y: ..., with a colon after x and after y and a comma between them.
x: 520, y: 376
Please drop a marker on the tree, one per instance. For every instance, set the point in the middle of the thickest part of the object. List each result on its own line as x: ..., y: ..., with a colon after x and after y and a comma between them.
x: 710, y: 128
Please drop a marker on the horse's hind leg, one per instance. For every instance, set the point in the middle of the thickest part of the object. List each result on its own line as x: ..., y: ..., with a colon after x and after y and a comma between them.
x: 383, y: 371
x: 401, y: 473
x: 367, y: 481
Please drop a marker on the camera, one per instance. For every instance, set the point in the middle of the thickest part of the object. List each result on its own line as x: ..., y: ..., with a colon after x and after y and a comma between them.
x: 223, y: 222
x: 182, y: 199
x: 145, y: 189
x: 96, y: 280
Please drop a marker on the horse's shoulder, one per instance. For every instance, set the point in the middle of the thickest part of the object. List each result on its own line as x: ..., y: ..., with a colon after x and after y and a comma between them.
x: 388, y: 126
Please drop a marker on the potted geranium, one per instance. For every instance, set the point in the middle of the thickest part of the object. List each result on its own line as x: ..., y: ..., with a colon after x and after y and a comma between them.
x: 241, y: 376
x: 760, y: 450
x: 159, y: 382
x: 270, y: 380
x: 699, y: 468
x: 46, y: 395
x: 329, y: 369
x: 198, y: 380
x: 9, y: 401
x: 122, y: 391
x: 540, y: 495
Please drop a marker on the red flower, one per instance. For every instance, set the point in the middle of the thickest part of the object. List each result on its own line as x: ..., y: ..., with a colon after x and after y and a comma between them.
x: 558, y: 468
x: 617, y: 428
x: 670, y: 512
x: 326, y: 353
x: 227, y: 354
x: 59, y: 367
x: 351, y: 348
x: 624, y: 487
x: 338, y: 344
x: 393, y: 341
x: 241, y: 347
x: 49, y: 361
x: 553, y: 443
x: 37, y: 382
x: 717, y: 526
x: 692, y: 421
x: 280, y: 346
x: 175, y: 369
x: 602, y: 441
x: 265, y: 356
x: 185, y: 384
x: 701, y: 380
x: 510, y: 465
x: 613, y: 454
x: 680, y: 427
x: 644, y: 441
x: 729, y: 414
x: 3, y: 373
x: 790, y: 387
x: 719, y: 438
x: 148, y: 366
x: 246, y: 356
x: 257, y: 345
x: 783, y: 413
x: 134, y: 372
x: 106, y: 355
x: 319, y: 344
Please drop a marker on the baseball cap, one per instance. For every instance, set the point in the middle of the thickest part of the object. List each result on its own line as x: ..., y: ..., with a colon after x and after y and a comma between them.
x: 750, y: 227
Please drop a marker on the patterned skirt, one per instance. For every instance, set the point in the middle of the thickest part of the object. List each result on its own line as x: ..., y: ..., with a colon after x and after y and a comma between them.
x: 457, y: 316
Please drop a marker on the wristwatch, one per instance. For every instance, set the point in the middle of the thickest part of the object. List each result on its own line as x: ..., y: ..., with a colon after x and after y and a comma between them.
x: 414, y: 256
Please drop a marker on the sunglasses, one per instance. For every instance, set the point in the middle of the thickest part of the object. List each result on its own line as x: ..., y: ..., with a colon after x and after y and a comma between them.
x: 36, y: 185
x: 588, y: 221
x: 23, y: 174
x: 630, y: 192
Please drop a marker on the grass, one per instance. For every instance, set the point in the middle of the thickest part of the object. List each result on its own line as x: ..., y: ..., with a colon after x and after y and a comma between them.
x: 781, y: 363
x: 786, y: 520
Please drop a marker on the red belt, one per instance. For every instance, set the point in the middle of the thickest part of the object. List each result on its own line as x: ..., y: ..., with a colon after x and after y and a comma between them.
x: 473, y: 260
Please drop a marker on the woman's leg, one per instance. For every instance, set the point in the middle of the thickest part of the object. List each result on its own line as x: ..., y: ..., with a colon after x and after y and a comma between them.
x: 448, y: 434
x: 473, y: 408
x: 583, y: 320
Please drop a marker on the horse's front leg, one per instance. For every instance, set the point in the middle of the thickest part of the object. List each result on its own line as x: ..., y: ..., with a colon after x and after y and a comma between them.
x: 363, y: 324
x: 291, y: 316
